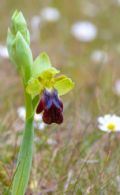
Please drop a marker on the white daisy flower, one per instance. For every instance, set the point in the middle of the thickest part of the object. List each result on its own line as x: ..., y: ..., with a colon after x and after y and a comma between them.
x: 109, y: 123
x: 84, y: 31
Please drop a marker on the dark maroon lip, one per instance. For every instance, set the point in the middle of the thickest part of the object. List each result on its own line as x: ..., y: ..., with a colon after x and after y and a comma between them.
x: 52, y: 107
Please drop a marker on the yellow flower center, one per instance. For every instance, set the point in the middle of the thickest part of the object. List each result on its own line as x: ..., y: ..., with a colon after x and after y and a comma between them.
x: 111, y: 126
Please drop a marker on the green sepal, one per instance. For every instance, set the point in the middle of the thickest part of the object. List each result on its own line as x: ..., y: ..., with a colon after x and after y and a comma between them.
x: 41, y: 64
x: 23, y: 57
x: 63, y: 85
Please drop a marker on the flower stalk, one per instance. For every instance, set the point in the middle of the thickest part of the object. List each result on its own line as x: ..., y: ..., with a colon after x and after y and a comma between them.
x: 23, y: 169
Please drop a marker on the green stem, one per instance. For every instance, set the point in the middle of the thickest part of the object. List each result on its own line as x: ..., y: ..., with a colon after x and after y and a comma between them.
x: 22, y: 174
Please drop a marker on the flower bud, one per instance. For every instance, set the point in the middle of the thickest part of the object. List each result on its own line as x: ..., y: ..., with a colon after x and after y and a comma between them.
x: 19, y: 24
x: 23, y: 56
x: 18, y: 41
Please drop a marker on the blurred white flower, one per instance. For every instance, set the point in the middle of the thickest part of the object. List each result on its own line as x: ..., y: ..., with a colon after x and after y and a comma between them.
x: 41, y: 125
x: 21, y: 113
x: 33, y: 184
x: 38, y: 123
x: 50, y: 14
x: 35, y: 26
x: 35, y: 22
x: 3, y: 51
x: 51, y: 141
x: 109, y: 123
x: 118, y: 183
x: 37, y: 117
x: 84, y: 31
x: 99, y: 56
x: 118, y: 2
x: 117, y: 87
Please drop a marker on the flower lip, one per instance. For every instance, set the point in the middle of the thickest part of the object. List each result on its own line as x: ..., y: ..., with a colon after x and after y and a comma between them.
x: 51, y: 106
x: 53, y: 115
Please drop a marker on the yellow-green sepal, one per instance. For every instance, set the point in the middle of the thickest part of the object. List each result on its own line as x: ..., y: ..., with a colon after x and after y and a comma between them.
x: 42, y: 66
x: 63, y: 85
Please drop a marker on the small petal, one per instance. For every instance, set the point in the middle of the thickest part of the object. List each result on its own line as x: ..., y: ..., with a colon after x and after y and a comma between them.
x: 34, y: 87
x: 100, y: 119
x: 102, y: 127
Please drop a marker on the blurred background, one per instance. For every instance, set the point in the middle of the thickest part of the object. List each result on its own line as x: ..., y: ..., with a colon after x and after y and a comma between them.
x: 82, y: 38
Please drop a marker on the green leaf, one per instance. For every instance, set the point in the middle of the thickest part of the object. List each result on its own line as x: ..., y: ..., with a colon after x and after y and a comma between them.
x: 63, y: 85
x: 23, y: 57
x: 41, y: 64
x: 34, y: 87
